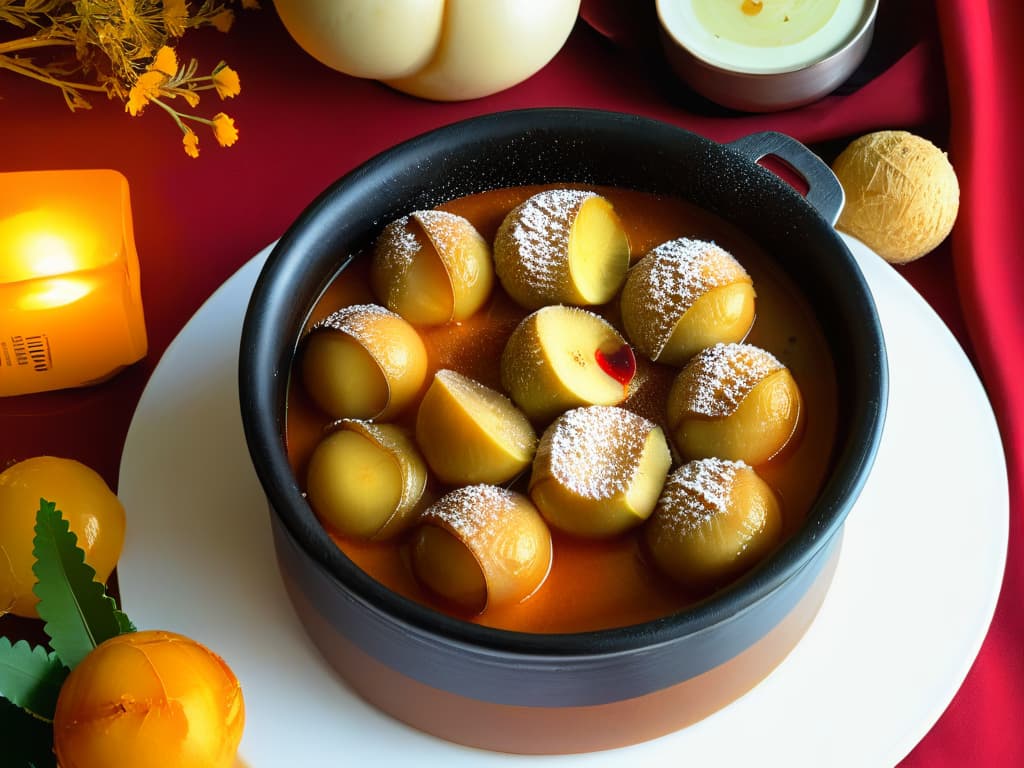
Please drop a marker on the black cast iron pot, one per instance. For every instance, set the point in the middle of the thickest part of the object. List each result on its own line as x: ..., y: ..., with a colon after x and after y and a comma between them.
x: 440, y: 673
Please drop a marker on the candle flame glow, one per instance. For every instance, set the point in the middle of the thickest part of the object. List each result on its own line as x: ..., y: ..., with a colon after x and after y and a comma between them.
x: 36, y: 244
x: 56, y: 292
x: 48, y: 254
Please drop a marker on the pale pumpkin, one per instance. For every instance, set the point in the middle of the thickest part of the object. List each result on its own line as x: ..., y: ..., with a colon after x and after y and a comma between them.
x: 445, y: 50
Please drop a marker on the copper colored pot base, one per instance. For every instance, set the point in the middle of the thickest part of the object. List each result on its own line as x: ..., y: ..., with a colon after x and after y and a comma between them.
x: 560, y: 730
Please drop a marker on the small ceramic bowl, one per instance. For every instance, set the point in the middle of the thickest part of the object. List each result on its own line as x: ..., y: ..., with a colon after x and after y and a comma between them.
x: 558, y: 693
x: 764, y: 70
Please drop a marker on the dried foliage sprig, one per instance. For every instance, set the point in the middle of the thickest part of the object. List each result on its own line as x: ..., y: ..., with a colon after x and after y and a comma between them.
x: 123, y: 49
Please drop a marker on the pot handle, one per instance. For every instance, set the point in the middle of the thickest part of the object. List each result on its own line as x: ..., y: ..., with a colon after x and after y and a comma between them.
x: 824, y: 191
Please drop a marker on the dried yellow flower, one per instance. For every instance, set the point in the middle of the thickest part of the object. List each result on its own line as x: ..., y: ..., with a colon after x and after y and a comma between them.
x: 175, y: 17
x: 165, y: 62
x: 224, y: 130
x: 124, y: 46
x: 146, y: 88
x: 191, y: 142
x: 226, y: 81
x: 163, y: 67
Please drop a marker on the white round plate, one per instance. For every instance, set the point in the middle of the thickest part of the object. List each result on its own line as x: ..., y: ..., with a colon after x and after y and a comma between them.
x: 916, y: 585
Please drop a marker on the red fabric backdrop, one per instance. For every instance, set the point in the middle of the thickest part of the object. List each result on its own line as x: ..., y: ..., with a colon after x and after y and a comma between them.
x: 948, y: 71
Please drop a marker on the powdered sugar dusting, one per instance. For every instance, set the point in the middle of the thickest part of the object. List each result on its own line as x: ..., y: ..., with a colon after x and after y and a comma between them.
x: 594, y: 451
x: 531, y: 250
x: 695, y: 494
x: 372, y: 429
x: 450, y: 234
x: 473, y: 512
x: 439, y: 221
x: 718, y: 378
x: 356, y: 320
x: 666, y: 282
x: 394, y: 252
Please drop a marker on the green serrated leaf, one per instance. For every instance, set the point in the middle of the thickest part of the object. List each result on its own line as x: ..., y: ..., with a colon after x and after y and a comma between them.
x: 26, y: 741
x: 79, y: 614
x: 124, y: 623
x: 30, y: 677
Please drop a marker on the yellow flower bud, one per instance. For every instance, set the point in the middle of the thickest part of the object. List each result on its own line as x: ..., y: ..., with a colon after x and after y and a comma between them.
x: 224, y: 130
x: 191, y: 143
x: 226, y: 81
x: 165, y: 62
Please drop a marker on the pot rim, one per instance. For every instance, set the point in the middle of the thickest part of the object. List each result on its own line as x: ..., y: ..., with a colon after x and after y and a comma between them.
x: 260, y: 371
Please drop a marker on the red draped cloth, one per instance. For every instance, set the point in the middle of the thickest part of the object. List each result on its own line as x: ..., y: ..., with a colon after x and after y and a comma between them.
x: 949, y: 71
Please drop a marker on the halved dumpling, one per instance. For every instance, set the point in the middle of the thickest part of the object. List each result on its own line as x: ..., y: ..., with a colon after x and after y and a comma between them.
x: 734, y: 401
x: 470, y: 433
x: 432, y: 267
x: 482, y: 546
x: 366, y: 480
x: 715, y: 520
x: 562, y: 246
x: 683, y: 296
x: 363, y: 362
x: 599, y: 470
x: 563, y: 357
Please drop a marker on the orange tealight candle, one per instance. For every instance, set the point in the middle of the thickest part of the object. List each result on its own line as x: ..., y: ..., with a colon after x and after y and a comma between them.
x: 70, y: 301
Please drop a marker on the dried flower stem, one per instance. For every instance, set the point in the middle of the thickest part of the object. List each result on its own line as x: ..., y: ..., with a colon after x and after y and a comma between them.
x: 124, y: 46
x: 27, y: 69
x: 34, y: 41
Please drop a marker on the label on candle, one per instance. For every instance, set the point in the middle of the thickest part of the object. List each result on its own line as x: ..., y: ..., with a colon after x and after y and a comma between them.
x: 70, y: 300
x: 31, y: 351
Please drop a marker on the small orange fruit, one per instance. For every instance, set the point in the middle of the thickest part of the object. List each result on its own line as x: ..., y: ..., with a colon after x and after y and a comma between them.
x: 149, y: 700
x: 93, y: 512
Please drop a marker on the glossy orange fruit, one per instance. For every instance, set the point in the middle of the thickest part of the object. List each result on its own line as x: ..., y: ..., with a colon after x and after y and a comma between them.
x: 149, y: 700
x: 93, y: 512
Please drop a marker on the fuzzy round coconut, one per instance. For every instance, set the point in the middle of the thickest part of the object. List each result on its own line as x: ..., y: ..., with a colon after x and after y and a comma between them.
x: 902, y: 194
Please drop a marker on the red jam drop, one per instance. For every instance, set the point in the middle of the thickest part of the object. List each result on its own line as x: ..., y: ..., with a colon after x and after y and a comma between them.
x: 620, y: 364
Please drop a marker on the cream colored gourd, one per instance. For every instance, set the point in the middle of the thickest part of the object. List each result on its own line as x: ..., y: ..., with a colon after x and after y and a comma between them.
x: 445, y: 50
